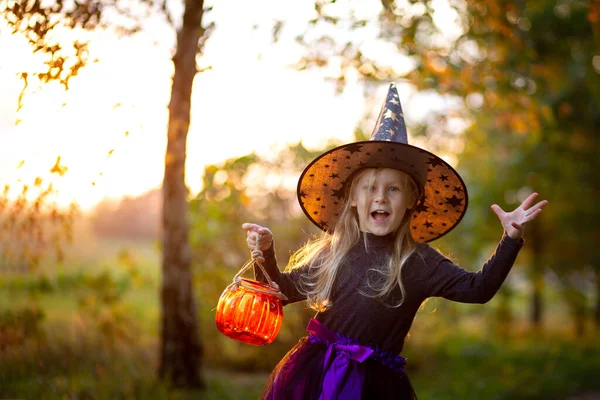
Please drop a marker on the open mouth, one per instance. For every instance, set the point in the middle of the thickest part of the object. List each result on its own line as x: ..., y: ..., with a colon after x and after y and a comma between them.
x: 380, y: 215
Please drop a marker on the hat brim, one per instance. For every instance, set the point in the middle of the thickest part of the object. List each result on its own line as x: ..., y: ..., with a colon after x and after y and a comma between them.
x: 444, y: 199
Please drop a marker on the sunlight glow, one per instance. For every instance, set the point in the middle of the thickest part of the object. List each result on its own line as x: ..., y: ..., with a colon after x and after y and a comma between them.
x: 110, y: 127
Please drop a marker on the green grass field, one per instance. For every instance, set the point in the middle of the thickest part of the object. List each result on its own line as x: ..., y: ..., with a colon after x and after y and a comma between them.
x: 98, y: 335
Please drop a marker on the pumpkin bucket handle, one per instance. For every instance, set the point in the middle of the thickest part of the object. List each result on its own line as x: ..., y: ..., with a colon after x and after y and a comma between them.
x: 237, y: 279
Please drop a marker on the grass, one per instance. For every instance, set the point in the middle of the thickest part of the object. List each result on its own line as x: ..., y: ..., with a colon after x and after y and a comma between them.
x: 534, y: 367
x: 60, y: 367
x: 69, y: 363
x: 453, y: 352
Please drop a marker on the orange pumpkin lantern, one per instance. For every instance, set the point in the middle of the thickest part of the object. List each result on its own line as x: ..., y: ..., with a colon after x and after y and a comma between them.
x: 250, y: 311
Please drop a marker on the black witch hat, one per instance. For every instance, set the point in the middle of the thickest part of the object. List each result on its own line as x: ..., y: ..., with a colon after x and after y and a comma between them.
x: 443, y: 194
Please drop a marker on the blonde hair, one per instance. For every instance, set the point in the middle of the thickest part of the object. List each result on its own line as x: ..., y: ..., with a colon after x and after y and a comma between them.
x: 326, y: 253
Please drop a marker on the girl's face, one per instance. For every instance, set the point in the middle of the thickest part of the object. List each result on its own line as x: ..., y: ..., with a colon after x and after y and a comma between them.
x: 381, y: 197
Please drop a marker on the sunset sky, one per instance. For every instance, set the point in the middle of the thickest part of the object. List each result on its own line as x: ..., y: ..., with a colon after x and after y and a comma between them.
x: 251, y: 100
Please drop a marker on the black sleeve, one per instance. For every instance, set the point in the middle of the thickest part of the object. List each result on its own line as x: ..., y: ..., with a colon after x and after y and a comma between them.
x: 285, y: 280
x: 447, y: 280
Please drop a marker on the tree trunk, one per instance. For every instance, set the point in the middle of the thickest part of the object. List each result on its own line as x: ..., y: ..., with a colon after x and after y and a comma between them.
x: 181, y: 349
x: 537, y: 275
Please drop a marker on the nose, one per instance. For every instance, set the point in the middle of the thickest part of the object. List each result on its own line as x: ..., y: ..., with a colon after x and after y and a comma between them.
x: 380, y: 195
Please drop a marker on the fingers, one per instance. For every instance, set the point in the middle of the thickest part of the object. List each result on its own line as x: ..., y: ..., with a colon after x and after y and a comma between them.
x: 258, y: 256
x: 527, y: 202
x: 498, y: 210
x: 256, y: 228
x: 537, y: 207
x: 535, y: 210
x: 517, y: 230
x: 251, y: 227
x: 530, y: 216
x: 257, y: 237
x: 514, y: 222
x: 252, y: 240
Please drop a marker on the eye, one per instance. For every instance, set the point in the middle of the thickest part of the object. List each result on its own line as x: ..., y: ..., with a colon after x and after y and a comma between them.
x: 393, y: 189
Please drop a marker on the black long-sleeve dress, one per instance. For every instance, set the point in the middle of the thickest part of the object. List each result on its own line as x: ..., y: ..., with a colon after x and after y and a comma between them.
x: 373, y: 322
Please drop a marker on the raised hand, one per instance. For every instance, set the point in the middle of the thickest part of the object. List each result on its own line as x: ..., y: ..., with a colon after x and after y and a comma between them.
x: 514, y: 222
x: 258, y: 239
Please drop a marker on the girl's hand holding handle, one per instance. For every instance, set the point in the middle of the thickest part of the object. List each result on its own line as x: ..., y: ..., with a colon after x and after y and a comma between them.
x: 258, y: 239
x: 514, y: 222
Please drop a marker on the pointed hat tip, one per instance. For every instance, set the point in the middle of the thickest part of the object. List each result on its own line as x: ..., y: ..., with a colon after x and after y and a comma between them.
x: 390, y: 125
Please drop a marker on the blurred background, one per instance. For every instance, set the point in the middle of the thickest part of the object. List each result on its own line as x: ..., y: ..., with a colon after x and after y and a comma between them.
x: 137, y: 136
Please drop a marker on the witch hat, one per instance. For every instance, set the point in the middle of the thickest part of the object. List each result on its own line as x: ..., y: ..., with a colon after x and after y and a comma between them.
x: 443, y: 194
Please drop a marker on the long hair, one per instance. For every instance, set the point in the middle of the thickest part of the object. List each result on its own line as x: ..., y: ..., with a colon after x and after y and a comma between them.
x: 326, y: 253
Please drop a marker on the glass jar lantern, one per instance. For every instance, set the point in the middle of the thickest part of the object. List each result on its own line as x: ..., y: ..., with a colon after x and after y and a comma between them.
x: 250, y: 311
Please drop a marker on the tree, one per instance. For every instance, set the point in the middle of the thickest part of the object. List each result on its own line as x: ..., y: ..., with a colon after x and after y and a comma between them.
x: 41, y: 23
x: 181, y: 351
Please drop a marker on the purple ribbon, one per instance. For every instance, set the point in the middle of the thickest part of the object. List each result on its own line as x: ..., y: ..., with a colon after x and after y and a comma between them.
x: 342, y: 379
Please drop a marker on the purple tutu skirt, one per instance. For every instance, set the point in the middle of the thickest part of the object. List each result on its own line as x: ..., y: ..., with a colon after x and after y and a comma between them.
x: 329, y: 366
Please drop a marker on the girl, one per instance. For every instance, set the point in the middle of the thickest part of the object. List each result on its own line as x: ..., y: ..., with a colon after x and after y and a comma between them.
x: 378, y: 203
